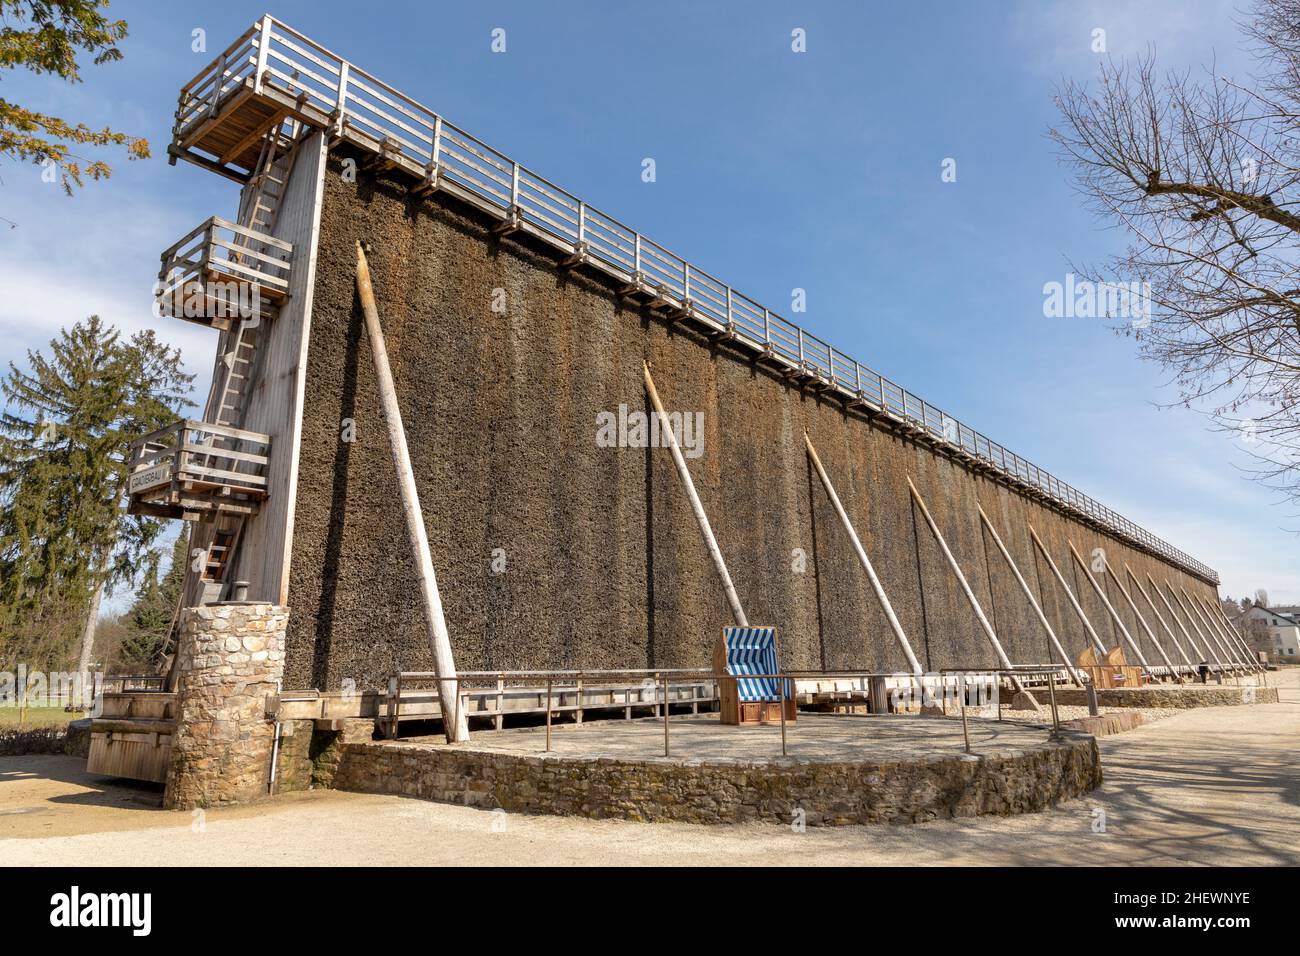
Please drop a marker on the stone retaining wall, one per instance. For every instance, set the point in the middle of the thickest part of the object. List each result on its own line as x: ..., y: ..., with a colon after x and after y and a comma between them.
x: 1174, y: 696
x: 1106, y: 724
x: 713, y: 792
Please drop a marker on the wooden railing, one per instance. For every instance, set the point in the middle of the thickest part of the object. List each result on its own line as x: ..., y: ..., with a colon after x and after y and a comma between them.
x: 219, y: 269
x: 321, y: 89
x: 198, y: 466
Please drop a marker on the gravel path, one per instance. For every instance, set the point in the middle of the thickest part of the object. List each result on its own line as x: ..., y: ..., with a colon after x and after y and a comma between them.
x: 1210, y: 786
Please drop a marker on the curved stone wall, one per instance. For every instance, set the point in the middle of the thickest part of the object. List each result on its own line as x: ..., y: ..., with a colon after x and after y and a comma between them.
x: 660, y: 789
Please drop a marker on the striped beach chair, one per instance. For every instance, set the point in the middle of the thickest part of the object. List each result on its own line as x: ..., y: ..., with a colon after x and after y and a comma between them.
x: 748, y: 653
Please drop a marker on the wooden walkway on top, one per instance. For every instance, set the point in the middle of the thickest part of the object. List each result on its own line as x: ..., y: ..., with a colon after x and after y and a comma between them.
x: 273, y: 74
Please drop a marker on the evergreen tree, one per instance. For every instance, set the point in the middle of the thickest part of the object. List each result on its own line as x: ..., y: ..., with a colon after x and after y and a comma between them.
x: 147, y: 623
x: 64, y: 435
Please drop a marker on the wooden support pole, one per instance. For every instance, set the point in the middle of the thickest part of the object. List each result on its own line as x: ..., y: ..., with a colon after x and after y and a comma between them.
x: 1042, y: 618
x: 1074, y: 603
x: 876, y: 586
x: 666, y: 429
x: 1227, y: 633
x: 1200, y: 654
x: 1199, y: 633
x: 1161, y: 618
x: 1226, y: 628
x: 454, y: 722
x: 1141, y: 620
x: 1109, y: 607
x: 966, y: 588
x: 1240, y: 638
x: 1231, y: 655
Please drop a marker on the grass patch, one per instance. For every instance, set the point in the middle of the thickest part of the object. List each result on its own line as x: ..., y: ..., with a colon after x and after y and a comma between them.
x: 36, y: 717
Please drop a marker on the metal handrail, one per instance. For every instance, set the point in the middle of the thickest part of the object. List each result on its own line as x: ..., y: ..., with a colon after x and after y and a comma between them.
x: 328, y: 91
x: 663, y: 677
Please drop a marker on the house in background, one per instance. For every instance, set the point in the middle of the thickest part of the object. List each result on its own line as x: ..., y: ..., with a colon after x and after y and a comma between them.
x: 1275, y: 630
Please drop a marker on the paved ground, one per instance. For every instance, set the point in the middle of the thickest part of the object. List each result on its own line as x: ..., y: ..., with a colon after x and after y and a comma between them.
x: 1213, y: 786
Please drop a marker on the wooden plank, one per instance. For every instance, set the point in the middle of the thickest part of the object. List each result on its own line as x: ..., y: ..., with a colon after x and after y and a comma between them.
x: 277, y: 394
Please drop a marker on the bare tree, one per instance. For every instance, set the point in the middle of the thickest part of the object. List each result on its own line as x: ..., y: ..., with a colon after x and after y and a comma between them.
x: 1202, y: 174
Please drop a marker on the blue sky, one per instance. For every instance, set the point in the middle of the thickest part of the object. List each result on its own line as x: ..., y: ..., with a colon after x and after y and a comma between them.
x: 775, y: 170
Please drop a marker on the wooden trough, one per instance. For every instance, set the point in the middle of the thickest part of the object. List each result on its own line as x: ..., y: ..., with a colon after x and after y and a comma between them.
x: 132, y: 737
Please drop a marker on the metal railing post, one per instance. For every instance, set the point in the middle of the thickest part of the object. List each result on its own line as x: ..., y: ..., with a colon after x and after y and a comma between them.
x: 1056, y: 720
x: 961, y: 695
x: 548, y: 715
x: 780, y: 705
x: 664, y: 686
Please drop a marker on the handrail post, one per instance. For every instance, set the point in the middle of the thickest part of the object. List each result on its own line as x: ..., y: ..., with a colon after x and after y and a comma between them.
x: 341, y: 101
x: 664, y: 685
x: 780, y: 706
x: 961, y: 694
x: 263, y: 44
x: 1056, y: 719
x: 548, y: 714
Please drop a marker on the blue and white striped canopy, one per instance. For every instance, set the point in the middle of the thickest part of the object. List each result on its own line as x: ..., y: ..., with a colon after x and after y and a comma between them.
x: 752, y: 650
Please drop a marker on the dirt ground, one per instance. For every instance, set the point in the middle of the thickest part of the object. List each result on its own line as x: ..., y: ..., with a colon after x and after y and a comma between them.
x: 1213, y: 786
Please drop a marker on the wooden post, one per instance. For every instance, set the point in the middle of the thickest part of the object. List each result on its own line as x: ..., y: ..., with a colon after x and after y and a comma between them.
x: 1141, y: 620
x: 966, y: 589
x: 1161, y: 618
x: 454, y: 722
x: 876, y: 586
x: 1074, y: 603
x: 1230, y: 655
x: 1196, y: 627
x: 1109, y: 607
x: 1201, y: 655
x: 666, y: 429
x: 1042, y: 618
x: 1236, y: 635
x: 1229, y: 635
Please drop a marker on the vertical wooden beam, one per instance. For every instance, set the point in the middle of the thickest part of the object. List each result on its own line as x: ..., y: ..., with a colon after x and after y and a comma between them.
x: 1042, y: 618
x: 1074, y: 603
x: 454, y: 723
x: 965, y: 587
x: 666, y: 429
x: 1109, y: 607
x: 876, y: 586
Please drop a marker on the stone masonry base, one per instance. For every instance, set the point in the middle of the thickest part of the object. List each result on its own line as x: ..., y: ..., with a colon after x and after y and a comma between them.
x: 231, y: 660
x: 1171, y: 695
x: 663, y: 789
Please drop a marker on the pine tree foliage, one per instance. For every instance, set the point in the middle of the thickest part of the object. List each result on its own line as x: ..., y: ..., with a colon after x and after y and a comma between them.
x: 67, y: 422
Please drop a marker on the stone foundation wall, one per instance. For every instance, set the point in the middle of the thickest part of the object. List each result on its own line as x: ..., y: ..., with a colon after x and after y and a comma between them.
x: 231, y: 660
x: 1175, y: 696
x: 714, y: 792
x: 1106, y: 724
